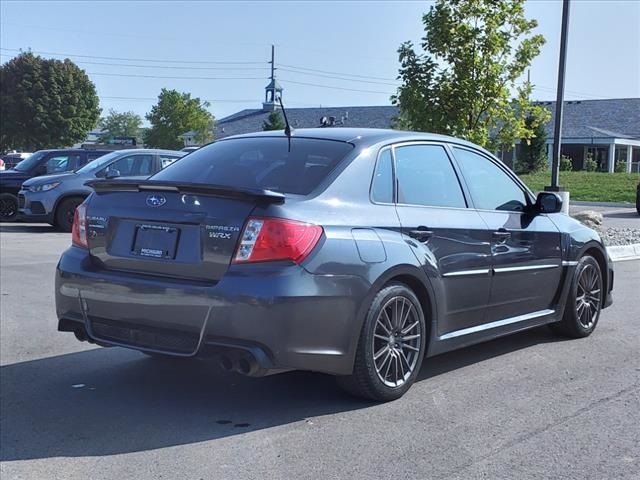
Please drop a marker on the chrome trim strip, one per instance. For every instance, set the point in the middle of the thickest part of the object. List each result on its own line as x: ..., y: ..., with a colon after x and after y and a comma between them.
x: 496, y: 324
x: 521, y: 269
x: 460, y: 273
x: 567, y: 263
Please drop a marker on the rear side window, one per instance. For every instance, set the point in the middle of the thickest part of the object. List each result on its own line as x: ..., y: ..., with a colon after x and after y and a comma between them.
x: 265, y: 163
x: 382, y: 185
x: 426, y: 177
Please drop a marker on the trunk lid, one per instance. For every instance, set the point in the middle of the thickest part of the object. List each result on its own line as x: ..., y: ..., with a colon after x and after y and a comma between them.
x: 167, y: 229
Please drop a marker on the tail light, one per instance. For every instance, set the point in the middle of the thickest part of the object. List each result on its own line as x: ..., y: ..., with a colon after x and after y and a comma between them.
x: 268, y: 239
x: 79, y: 228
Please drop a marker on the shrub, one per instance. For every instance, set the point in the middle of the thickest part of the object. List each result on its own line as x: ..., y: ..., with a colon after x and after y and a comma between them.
x: 590, y: 165
x: 565, y: 164
x: 620, y: 167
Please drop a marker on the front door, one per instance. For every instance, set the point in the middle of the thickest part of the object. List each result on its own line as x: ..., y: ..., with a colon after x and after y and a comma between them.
x: 525, y: 247
x: 449, y: 239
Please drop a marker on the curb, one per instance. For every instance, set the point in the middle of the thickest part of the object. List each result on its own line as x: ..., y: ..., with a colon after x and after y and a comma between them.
x: 582, y: 203
x: 620, y: 253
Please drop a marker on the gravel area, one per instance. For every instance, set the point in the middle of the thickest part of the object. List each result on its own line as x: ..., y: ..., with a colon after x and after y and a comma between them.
x: 619, y: 236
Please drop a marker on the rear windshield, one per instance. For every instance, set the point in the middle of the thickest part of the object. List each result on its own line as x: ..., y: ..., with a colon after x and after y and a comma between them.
x: 264, y: 162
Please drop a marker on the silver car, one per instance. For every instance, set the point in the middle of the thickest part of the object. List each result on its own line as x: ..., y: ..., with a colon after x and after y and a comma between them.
x: 54, y: 198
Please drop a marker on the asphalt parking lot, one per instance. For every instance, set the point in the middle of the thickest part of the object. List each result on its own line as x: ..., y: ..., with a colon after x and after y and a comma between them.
x: 529, y: 406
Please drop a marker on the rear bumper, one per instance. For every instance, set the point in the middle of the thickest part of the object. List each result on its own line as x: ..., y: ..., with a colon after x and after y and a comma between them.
x: 286, y: 317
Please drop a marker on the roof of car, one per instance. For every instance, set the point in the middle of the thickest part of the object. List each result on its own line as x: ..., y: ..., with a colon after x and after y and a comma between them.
x: 360, y: 136
x: 148, y: 150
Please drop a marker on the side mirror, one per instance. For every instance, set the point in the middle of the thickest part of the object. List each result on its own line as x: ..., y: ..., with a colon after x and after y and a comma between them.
x: 112, y: 173
x: 548, y: 202
x: 41, y: 170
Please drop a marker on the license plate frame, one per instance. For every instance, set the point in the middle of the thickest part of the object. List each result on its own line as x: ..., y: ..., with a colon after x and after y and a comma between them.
x: 155, y: 241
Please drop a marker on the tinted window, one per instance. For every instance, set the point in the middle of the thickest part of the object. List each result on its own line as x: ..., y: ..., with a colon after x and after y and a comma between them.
x: 491, y: 188
x: 30, y: 162
x: 166, y: 160
x: 265, y: 162
x: 62, y: 163
x: 99, y: 162
x: 426, y: 177
x: 133, y: 165
x: 382, y: 187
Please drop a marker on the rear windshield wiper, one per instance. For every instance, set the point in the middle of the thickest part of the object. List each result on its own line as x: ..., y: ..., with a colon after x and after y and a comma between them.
x: 131, y: 185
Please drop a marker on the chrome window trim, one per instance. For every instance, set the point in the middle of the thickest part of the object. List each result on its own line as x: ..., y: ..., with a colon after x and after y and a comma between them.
x: 464, y: 273
x: 523, y: 268
x: 496, y: 324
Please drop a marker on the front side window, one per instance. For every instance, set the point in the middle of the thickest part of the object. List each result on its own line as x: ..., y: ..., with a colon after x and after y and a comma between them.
x: 490, y: 187
x: 426, y: 177
x: 382, y: 185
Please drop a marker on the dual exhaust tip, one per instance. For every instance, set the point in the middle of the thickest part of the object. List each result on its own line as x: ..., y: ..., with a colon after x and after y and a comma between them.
x: 242, y: 363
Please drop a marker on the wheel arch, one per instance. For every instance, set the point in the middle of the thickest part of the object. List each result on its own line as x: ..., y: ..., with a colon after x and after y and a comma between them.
x: 67, y: 195
x: 596, y: 251
x: 416, y: 279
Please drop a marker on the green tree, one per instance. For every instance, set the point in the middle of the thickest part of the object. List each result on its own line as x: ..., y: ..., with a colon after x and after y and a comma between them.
x: 174, y: 114
x: 45, y: 103
x: 273, y: 122
x: 460, y: 83
x: 120, y: 124
x: 533, y: 150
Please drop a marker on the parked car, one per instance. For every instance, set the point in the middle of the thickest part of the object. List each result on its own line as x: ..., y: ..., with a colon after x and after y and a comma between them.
x: 42, y: 162
x: 54, y: 198
x: 189, y: 149
x: 10, y: 160
x: 354, y: 252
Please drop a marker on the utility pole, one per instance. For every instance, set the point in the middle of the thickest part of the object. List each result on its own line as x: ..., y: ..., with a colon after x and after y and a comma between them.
x: 557, y: 134
x: 273, y: 62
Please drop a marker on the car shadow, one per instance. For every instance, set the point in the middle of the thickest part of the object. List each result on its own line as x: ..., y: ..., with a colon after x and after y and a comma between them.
x: 111, y: 401
x: 27, y: 228
x: 627, y: 214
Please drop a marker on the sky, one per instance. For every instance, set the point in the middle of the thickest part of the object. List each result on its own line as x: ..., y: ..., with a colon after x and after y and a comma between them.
x: 330, y: 53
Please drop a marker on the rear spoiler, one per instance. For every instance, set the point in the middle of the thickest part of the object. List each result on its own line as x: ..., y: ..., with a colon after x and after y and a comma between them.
x: 138, y: 185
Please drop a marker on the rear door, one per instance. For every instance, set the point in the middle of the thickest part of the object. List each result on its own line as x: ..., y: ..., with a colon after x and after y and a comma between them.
x: 447, y: 237
x: 526, y: 252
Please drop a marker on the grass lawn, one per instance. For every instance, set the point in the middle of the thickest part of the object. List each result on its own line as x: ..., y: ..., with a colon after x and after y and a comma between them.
x: 590, y: 186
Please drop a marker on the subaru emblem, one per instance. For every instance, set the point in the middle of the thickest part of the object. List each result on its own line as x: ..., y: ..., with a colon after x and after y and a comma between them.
x: 156, y: 200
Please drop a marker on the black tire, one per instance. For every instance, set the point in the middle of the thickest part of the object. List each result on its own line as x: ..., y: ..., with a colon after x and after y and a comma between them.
x: 8, y: 207
x: 65, y: 211
x: 373, y: 378
x: 584, y: 302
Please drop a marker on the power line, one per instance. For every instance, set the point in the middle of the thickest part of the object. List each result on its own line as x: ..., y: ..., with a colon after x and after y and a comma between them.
x: 332, y: 87
x: 172, y: 67
x: 40, y: 52
x: 134, y: 75
x: 335, y: 73
x: 337, y: 78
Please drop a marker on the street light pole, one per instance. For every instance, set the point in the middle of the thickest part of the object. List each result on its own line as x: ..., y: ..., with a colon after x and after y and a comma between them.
x: 557, y: 134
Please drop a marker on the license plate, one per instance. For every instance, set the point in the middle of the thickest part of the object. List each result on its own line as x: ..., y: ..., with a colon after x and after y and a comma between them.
x: 155, y: 241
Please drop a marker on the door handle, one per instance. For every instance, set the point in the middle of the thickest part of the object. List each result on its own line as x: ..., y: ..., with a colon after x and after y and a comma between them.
x: 422, y: 234
x: 501, y: 235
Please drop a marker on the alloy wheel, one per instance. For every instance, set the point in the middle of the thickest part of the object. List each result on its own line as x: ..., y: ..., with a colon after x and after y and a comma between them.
x: 397, y: 340
x: 588, y: 296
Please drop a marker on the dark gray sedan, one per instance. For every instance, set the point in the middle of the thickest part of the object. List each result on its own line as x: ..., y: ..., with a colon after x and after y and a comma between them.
x: 353, y: 252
